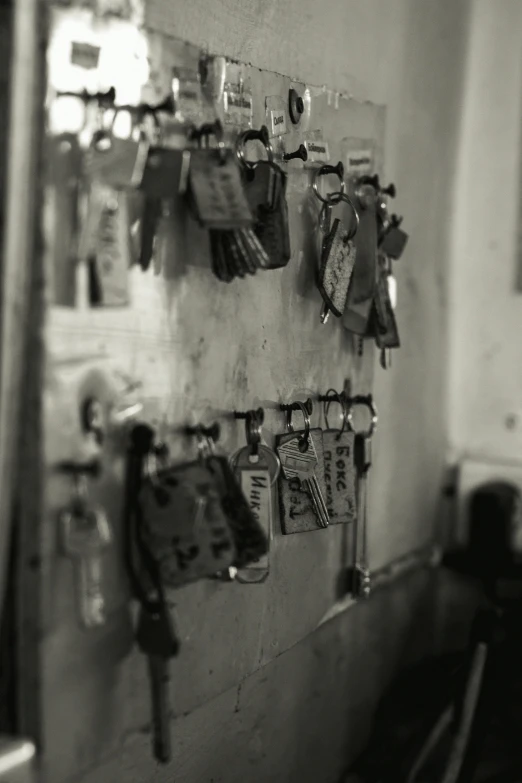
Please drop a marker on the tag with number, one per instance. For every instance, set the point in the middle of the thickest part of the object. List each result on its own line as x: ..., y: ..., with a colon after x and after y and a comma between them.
x: 184, y: 523
x: 299, y: 510
x: 339, y: 475
x: 337, y: 263
x: 216, y: 190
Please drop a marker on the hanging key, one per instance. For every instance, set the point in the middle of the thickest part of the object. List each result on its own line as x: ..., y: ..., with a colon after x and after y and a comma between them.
x: 300, y: 464
x: 359, y: 574
x: 157, y: 641
x: 85, y: 534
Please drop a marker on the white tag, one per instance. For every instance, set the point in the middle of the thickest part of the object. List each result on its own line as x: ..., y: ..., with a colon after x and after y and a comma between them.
x: 359, y: 162
x: 278, y: 122
x: 255, y: 483
x: 317, y: 151
x: 392, y: 291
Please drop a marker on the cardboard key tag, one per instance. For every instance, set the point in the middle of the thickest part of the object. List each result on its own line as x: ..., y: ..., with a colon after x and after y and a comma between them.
x: 216, y: 190
x: 337, y: 263
x: 296, y: 506
x: 256, y: 486
x: 185, y: 526
x: 339, y: 476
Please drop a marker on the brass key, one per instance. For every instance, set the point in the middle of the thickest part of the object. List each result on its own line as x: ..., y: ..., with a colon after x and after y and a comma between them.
x: 299, y: 460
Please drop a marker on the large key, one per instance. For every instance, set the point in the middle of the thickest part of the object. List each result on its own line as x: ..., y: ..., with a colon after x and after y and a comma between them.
x: 85, y: 533
x: 156, y: 639
x: 299, y: 460
x: 361, y: 581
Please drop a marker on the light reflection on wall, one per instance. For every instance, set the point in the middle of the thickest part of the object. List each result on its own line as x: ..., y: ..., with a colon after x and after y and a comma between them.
x: 122, y: 63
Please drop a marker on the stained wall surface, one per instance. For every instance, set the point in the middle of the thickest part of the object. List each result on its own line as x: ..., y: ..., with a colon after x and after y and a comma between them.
x: 485, y: 306
x: 409, y: 57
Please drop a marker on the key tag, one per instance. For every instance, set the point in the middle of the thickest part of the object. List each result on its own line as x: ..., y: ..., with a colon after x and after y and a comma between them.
x: 215, y: 188
x: 250, y: 539
x: 183, y: 522
x: 339, y: 469
x: 265, y: 188
x: 256, y: 468
x: 302, y: 488
x: 337, y: 247
x: 85, y: 534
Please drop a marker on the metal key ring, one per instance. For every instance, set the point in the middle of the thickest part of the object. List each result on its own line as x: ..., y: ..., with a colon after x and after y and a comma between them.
x: 337, y: 398
x: 347, y: 200
x: 327, y: 169
x: 253, y: 135
x: 367, y: 402
x: 306, y: 418
x: 253, y: 429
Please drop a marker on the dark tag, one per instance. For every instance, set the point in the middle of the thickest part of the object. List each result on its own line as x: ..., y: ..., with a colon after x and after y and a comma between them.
x: 362, y: 284
x: 184, y: 524
x: 384, y: 324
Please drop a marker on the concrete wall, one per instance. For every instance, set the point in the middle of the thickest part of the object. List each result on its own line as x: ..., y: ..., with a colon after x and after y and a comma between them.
x: 304, y: 715
x: 485, y: 307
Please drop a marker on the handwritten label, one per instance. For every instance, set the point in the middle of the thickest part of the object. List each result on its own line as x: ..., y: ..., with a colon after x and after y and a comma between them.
x: 359, y: 162
x: 339, y: 476
x: 278, y: 122
x: 297, y: 509
x: 317, y: 151
x: 85, y: 55
x: 255, y: 483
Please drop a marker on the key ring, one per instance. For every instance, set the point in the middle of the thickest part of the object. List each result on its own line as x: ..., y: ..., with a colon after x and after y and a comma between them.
x: 367, y: 402
x: 334, y: 396
x: 253, y: 135
x: 305, y: 440
x: 327, y: 169
x: 253, y: 426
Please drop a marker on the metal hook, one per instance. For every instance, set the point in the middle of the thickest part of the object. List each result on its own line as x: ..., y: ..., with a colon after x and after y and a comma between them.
x: 367, y: 402
x: 327, y: 169
x: 253, y: 135
x: 253, y: 423
x: 333, y: 396
x: 306, y: 410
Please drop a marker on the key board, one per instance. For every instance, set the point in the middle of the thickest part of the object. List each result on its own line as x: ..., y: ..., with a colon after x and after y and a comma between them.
x: 190, y: 346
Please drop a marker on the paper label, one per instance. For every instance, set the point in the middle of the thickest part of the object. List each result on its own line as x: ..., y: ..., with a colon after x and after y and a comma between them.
x: 238, y: 108
x: 317, y: 151
x: 85, y: 55
x: 278, y: 122
x: 359, y: 162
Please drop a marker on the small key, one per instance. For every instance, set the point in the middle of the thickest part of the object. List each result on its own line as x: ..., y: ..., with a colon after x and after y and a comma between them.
x: 299, y: 460
x: 157, y: 640
x: 85, y: 534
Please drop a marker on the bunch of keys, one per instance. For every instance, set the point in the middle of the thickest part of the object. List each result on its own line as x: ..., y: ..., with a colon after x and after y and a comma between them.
x: 219, y: 203
x: 338, y: 460
x: 302, y: 485
x: 338, y: 250
x: 359, y: 574
x: 265, y: 189
x: 85, y: 534
x: 256, y: 468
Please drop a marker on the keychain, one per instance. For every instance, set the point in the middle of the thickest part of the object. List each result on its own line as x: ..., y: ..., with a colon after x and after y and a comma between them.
x: 338, y: 250
x: 338, y: 456
x: 301, y: 483
x: 256, y: 468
